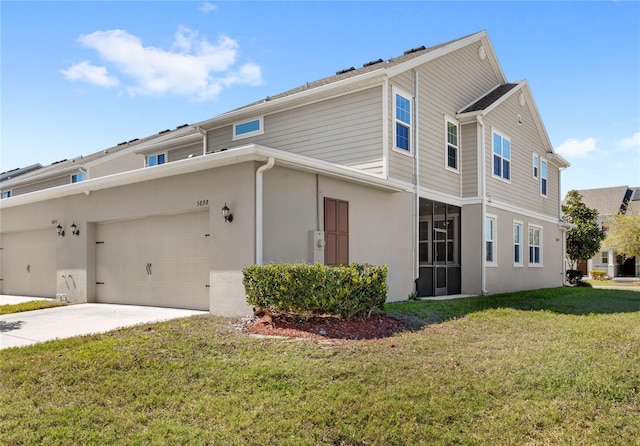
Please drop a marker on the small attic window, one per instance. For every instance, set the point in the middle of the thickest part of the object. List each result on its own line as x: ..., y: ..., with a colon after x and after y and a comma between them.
x: 247, y: 129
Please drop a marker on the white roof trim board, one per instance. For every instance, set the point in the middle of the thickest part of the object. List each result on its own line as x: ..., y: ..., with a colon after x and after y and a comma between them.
x: 252, y: 152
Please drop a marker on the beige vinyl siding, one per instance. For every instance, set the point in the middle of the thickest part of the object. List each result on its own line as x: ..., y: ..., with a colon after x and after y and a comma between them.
x: 116, y: 164
x: 469, y: 159
x: 448, y: 84
x: 400, y: 163
x: 184, y: 152
x: 46, y: 184
x: 523, y: 190
x: 344, y: 130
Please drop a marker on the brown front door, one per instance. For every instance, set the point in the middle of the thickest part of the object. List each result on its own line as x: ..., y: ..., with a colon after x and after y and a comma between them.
x: 336, y: 232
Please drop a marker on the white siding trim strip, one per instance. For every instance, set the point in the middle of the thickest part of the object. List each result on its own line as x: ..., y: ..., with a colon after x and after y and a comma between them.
x: 523, y: 212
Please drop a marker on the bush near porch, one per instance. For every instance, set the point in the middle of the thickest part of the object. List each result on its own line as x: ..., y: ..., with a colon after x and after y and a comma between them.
x: 314, y: 290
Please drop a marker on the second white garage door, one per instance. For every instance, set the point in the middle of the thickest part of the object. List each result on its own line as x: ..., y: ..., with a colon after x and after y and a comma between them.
x: 157, y: 261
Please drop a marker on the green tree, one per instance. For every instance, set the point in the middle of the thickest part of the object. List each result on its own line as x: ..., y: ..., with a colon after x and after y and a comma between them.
x: 623, y: 234
x: 586, y: 236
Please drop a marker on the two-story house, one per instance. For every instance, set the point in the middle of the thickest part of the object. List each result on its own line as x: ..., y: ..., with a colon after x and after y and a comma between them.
x: 431, y: 163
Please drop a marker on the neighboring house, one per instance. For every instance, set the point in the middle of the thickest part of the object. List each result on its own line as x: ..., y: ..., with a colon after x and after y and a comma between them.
x: 431, y: 163
x: 610, y: 201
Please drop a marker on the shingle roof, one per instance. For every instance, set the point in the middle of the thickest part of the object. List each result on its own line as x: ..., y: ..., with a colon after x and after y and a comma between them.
x: 490, y: 98
x: 607, y: 201
x: 352, y: 71
x: 633, y: 207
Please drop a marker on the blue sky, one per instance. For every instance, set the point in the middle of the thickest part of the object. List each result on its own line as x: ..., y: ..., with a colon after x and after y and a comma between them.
x: 79, y: 77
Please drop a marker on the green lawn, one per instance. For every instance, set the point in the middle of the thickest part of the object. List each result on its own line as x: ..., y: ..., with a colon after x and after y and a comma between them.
x: 554, y: 367
x: 29, y: 306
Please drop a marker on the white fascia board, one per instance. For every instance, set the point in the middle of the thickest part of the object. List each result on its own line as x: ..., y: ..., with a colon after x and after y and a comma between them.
x: 42, y: 177
x: 238, y: 155
x: 173, y: 143
x: 262, y: 108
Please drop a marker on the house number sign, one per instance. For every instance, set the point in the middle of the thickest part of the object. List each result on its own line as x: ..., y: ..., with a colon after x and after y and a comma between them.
x: 202, y: 203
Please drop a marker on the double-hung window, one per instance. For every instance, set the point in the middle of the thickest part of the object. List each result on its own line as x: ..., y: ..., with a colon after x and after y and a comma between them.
x: 536, y: 163
x: 402, y: 115
x: 535, y: 246
x: 543, y: 178
x: 156, y: 159
x: 501, y: 156
x: 452, y: 134
x: 490, y: 238
x: 77, y: 177
x: 517, y: 243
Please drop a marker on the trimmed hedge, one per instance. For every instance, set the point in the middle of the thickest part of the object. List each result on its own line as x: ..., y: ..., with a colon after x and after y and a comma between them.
x: 314, y: 290
x: 598, y: 274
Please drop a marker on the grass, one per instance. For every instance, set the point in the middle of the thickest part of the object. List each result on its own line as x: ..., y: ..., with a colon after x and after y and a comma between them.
x: 547, y: 367
x: 29, y: 306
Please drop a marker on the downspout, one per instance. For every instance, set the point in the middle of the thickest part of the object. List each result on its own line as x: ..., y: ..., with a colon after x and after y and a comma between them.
x: 262, y: 169
x: 416, y: 173
x: 483, y: 195
x: 205, y: 141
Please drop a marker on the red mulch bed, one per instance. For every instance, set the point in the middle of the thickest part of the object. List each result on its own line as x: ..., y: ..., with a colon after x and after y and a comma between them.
x: 374, y: 327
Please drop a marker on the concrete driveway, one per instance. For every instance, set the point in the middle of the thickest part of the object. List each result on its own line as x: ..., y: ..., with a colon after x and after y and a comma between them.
x: 30, y: 327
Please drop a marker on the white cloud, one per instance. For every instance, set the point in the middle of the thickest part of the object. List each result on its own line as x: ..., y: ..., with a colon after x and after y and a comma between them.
x: 576, y: 148
x: 631, y: 142
x: 208, y: 7
x: 91, y: 74
x: 194, y: 67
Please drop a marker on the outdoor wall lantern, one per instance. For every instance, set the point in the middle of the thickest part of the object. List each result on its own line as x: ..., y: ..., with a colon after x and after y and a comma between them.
x: 226, y: 213
x: 74, y: 229
x: 60, y: 230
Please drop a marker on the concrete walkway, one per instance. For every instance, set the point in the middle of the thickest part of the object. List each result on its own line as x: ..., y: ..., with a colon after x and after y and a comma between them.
x: 30, y: 327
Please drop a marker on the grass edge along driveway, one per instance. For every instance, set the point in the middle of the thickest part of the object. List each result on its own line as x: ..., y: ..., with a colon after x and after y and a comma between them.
x: 555, y: 366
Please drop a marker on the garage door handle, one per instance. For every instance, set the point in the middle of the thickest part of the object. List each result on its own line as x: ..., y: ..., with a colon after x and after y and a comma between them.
x: 149, y: 269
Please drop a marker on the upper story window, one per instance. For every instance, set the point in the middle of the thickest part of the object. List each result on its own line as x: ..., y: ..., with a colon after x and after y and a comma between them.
x: 155, y: 159
x: 536, y: 163
x: 451, y: 154
x: 490, y: 234
x: 543, y: 178
x: 501, y: 156
x: 535, y: 246
x: 605, y: 256
x: 402, y: 118
x: 77, y: 177
x: 6, y: 194
x: 248, y: 128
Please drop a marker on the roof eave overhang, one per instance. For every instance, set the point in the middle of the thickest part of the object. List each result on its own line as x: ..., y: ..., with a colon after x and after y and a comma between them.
x: 175, y: 143
x: 9, y: 184
x: 252, y: 152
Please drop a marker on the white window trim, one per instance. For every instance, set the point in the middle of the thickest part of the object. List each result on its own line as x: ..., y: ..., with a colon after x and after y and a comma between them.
x: 503, y: 136
x: 74, y: 174
x: 447, y: 120
x: 519, y: 264
x: 541, y: 229
x: 494, y: 262
x: 535, y: 171
x: 260, y: 130
x: 397, y: 91
x: 146, y: 158
x: 545, y: 178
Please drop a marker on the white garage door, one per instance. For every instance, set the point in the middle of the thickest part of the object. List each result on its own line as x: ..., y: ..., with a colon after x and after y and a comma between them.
x: 158, y: 261
x: 29, y: 263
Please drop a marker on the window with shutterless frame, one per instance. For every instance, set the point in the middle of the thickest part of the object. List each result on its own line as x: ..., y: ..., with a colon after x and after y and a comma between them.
x: 491, y: 229
x: 535, y: 245
x: 155, y: 159
x: 543, y: 178
x: 402, y: 109
x: 77, y: 177
x: 501, y: 156
x: 246, y: 129
x: 517, y: 243
x: 452, y: 147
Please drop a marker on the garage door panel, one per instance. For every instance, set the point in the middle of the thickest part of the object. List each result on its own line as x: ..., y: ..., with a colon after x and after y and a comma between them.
x: 28, y: 266
x: 157, y: 261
